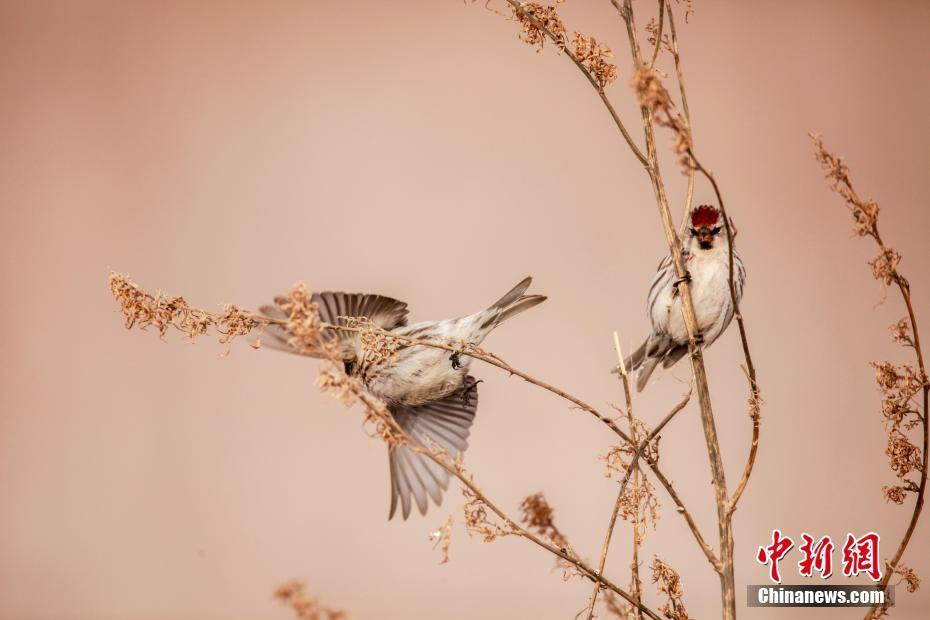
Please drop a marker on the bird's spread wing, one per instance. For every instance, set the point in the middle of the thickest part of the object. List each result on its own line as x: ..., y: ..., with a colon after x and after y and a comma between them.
x: 447, y: 422
x: 384, y: 312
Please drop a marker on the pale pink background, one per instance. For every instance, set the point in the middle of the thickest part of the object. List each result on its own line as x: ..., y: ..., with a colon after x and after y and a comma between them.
x: 418, y: 149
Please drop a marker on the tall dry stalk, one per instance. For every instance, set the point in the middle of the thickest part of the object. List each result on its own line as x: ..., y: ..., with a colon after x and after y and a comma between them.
x: 899, y: 384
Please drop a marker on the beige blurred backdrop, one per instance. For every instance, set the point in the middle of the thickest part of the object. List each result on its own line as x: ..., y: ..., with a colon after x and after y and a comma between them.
x: 226, y: 150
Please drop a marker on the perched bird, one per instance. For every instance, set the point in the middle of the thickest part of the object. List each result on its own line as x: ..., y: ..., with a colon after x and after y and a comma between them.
x: 706, y: 255
x: 428, y: 391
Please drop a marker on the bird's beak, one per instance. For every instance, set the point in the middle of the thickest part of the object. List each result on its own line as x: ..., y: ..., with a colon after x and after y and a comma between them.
x: 705, y: 238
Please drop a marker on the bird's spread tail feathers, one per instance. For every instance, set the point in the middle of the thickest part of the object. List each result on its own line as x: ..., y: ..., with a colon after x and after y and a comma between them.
x: 512, y: 304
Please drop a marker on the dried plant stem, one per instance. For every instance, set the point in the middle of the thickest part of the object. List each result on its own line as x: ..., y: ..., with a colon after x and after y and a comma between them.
x: 628, y: 399
x: 684, y: 106
x: 755, y: 397
x: 884, y: 268
x: 905, y: 288
x: 892, y: 564
x: 655, y: 51
x: 727, y: 581
x: 519, y: 10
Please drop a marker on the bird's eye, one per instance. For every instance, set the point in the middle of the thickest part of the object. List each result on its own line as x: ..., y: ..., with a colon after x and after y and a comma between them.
x: 715, y: 231
x: 693, y: 232
x: 349, y: 367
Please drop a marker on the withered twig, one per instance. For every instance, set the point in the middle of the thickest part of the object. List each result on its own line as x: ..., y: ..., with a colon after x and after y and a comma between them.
x: 518, y: 8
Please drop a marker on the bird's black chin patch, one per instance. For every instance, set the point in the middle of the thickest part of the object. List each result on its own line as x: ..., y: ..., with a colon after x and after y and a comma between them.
x: 706, y: 245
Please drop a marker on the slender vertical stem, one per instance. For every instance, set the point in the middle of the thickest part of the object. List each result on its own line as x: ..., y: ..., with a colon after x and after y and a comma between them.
x: 628, y: 398
x: 727, y: 581
x: 892, y: 564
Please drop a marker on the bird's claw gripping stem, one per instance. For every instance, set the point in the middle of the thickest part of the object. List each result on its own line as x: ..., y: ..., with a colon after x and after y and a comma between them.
x: 684, y: 278
x: 456, y: 361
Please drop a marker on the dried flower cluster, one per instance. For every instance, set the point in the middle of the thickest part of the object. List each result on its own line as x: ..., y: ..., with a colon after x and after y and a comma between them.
x: 478, y: 521
x: 443, y: 539
x: 303, y: 320
x: 638, y: 504
x: 669, y: 584
x: 885, y: 266
x: 143, y: 310
x: 653, y: 96
x: 899, y: 385
x: 593, y: 56
x: 306, y: 607
x: 909, y: 577
x: 537, y: 516
x: 904, y: 456
x: 539, y: 21
x: 901, y: 333
x: 864, y: 212
x: 652, y: 28
x: 378, y: 346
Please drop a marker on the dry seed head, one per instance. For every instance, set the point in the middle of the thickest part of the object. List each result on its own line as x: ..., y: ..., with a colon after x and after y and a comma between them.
x: 669, y: 584
x: 909, y: 577
x: 864, y: 212
x: 538, y: 21
x: 653, y: 96
x: 305, y: 607
x: 303, y: 319
x: 443, y: 538
x: 141, y: 309
x: 885, y: 266
x: 894, y: 494
x: 905, y: 457
x: 477, y: 520
x: 378, y: 346
x: 653, y: 29
x: 901, y: 333
x: 592, y: 55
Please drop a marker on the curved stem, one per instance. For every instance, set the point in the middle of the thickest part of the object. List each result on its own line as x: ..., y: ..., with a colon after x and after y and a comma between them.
x: 892, y: 564
x: 655, y: 51
x: 519, y: 10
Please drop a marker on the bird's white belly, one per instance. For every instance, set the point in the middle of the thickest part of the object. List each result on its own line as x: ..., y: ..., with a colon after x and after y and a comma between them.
x: 416, y: 379
x: 709, y: 291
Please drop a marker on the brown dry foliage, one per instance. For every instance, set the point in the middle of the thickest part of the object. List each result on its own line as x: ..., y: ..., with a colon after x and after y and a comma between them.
x: 653, y: 96
x: 908, y: 577
x: 864, y: 212
x: 669, y: 583
x: 593, y: 56
x: 478, y: 520
x: 652, y: 28
x: 306, y: 607
x: 442, y: 538
x: 537, y: 21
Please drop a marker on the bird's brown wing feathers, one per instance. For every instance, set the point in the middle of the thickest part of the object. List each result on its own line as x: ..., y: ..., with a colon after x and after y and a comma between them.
x: 384, y: 312
x: 447, y: 422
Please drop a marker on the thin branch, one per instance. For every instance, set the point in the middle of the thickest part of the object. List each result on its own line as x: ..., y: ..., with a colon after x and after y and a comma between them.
x: 628, y: 398
x: 518, y: 8
x: 755, y: 397
x: 655, y: 51
x: 687, y: 112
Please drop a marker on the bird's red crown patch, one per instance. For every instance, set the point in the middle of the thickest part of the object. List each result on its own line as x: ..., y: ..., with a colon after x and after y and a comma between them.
x: 704, y: 215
